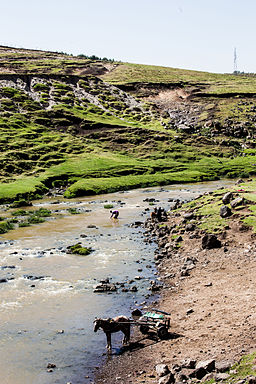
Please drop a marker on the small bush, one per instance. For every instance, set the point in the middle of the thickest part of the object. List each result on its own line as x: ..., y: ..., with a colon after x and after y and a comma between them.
x: 21, y: 203
x: 42, y: 212
x: 73, y: 211
x: 77, y: 249
x: 108, y: 206
x: 5, y: 226
x: 24, y: 224
x: 35, y: 220
x: 20, y: 212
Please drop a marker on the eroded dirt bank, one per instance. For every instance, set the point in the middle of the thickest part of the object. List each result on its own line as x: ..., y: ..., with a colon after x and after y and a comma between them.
x: 211, y: 296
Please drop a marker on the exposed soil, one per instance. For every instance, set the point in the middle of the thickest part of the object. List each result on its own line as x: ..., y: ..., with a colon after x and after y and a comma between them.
x: 212, y: 310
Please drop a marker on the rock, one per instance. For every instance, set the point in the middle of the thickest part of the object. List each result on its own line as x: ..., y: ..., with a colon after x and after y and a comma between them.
x: 189, y: 311
x: 162, y: 370
x: 198, y: 373
x: 105, y: 287
x: 137, y: 224
x: 209, y: 376
x: 190, y: 227
x: 222, y: 376
x: 91, y: 226
x: 188, y: 363
x: 31, y: 277
x: 227, y: 198
x: 236, y: 202
x: 168, y: 379
x: 210, y: 241
x: 208, y: 365
x: 188, y: 216
x: 134, y: 288
x: 240, y: 181
x: 51, y: 365
x: 251, y: 379
x: 225, y: 211
x: 223, y: 366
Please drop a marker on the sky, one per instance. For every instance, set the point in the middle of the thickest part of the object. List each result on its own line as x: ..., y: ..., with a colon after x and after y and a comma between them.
x: 190, y: 34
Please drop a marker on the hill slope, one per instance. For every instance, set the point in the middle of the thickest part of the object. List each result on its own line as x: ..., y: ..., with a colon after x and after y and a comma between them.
x: 95, y: 126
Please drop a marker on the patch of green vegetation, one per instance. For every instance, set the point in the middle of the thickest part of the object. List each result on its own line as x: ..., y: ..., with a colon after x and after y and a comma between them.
x: 73, y: 211
x: 5, y: 226
x: 20, y: 203
x: 41, y: 87
x: 108, y: 206
x: 34, y: 219
x: 20, y: 212
x: 213, y: 83
x: 42, y: 212
x: 77, y: 249
x: 94, y: 186
x: 24, y: 224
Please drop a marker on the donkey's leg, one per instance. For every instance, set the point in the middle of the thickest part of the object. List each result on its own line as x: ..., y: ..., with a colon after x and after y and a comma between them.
x: 109, y: 346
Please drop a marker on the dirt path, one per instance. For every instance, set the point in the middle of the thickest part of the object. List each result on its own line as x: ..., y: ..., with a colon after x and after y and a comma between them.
x: 213, y: 310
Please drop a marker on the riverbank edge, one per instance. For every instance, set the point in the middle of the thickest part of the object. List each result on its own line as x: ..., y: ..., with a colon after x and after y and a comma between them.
x: 243, y: 367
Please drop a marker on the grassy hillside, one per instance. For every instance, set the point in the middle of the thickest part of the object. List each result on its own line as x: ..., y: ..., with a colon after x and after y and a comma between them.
x: 91, y: 126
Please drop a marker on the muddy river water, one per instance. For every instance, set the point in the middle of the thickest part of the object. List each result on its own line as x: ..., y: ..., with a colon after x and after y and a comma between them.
x: 47, y: 305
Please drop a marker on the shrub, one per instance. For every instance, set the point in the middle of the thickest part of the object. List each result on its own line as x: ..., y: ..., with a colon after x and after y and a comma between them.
x: 5, y: 226
x: 79, y: 250
x: 73, y: 211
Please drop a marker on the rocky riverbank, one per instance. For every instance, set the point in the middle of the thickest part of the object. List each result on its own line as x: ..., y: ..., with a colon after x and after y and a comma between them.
x: 207, y: 276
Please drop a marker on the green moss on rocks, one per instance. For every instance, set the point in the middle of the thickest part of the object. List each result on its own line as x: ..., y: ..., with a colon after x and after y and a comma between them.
x: 77, y: 249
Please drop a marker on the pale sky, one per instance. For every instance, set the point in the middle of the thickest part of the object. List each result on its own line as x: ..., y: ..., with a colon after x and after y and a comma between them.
x: 189, y: 34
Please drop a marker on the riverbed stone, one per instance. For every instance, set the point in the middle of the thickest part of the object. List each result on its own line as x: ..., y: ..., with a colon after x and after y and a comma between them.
x: 162, y: 369
x: 167, y: 379
x: 227, y: 198
x: 222, y: 366
x: 225, y: 211
x: 208, y: 365
x: 210, y: 241
x: 236, y: 202
x: 188, y: 363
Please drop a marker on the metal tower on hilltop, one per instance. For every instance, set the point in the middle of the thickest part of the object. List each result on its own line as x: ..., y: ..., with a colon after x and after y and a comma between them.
x: 235, y: 61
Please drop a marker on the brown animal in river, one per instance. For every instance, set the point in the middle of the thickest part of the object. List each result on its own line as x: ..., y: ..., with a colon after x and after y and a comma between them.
x: 119, y: 323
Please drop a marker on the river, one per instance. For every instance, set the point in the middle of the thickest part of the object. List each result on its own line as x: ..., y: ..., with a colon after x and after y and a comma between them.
x: 48, y: 305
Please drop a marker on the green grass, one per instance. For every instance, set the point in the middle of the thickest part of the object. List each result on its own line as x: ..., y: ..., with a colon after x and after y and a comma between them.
x: 94, y: 133
x: 239, y: 371
x: 214, y: 83
x: 95, y: 186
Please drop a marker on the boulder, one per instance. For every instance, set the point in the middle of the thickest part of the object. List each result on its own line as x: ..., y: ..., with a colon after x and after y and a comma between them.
x: 168, y: 379
x: 188, y: 363
x: 223, y: 366
x: 162, y: 370
x: 198, y: 373
x: 227, y: 198
x: 222, y: 376
x: 190, y: 227
x: 210, y: 241
x: 188, y: 216
x: 208, y: 365
x: 236, y: 202
x: 251, y: 379
x: 225, y: 211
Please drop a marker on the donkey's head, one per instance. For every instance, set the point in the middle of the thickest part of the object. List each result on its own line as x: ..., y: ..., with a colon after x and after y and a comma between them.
x: 97, y: 324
